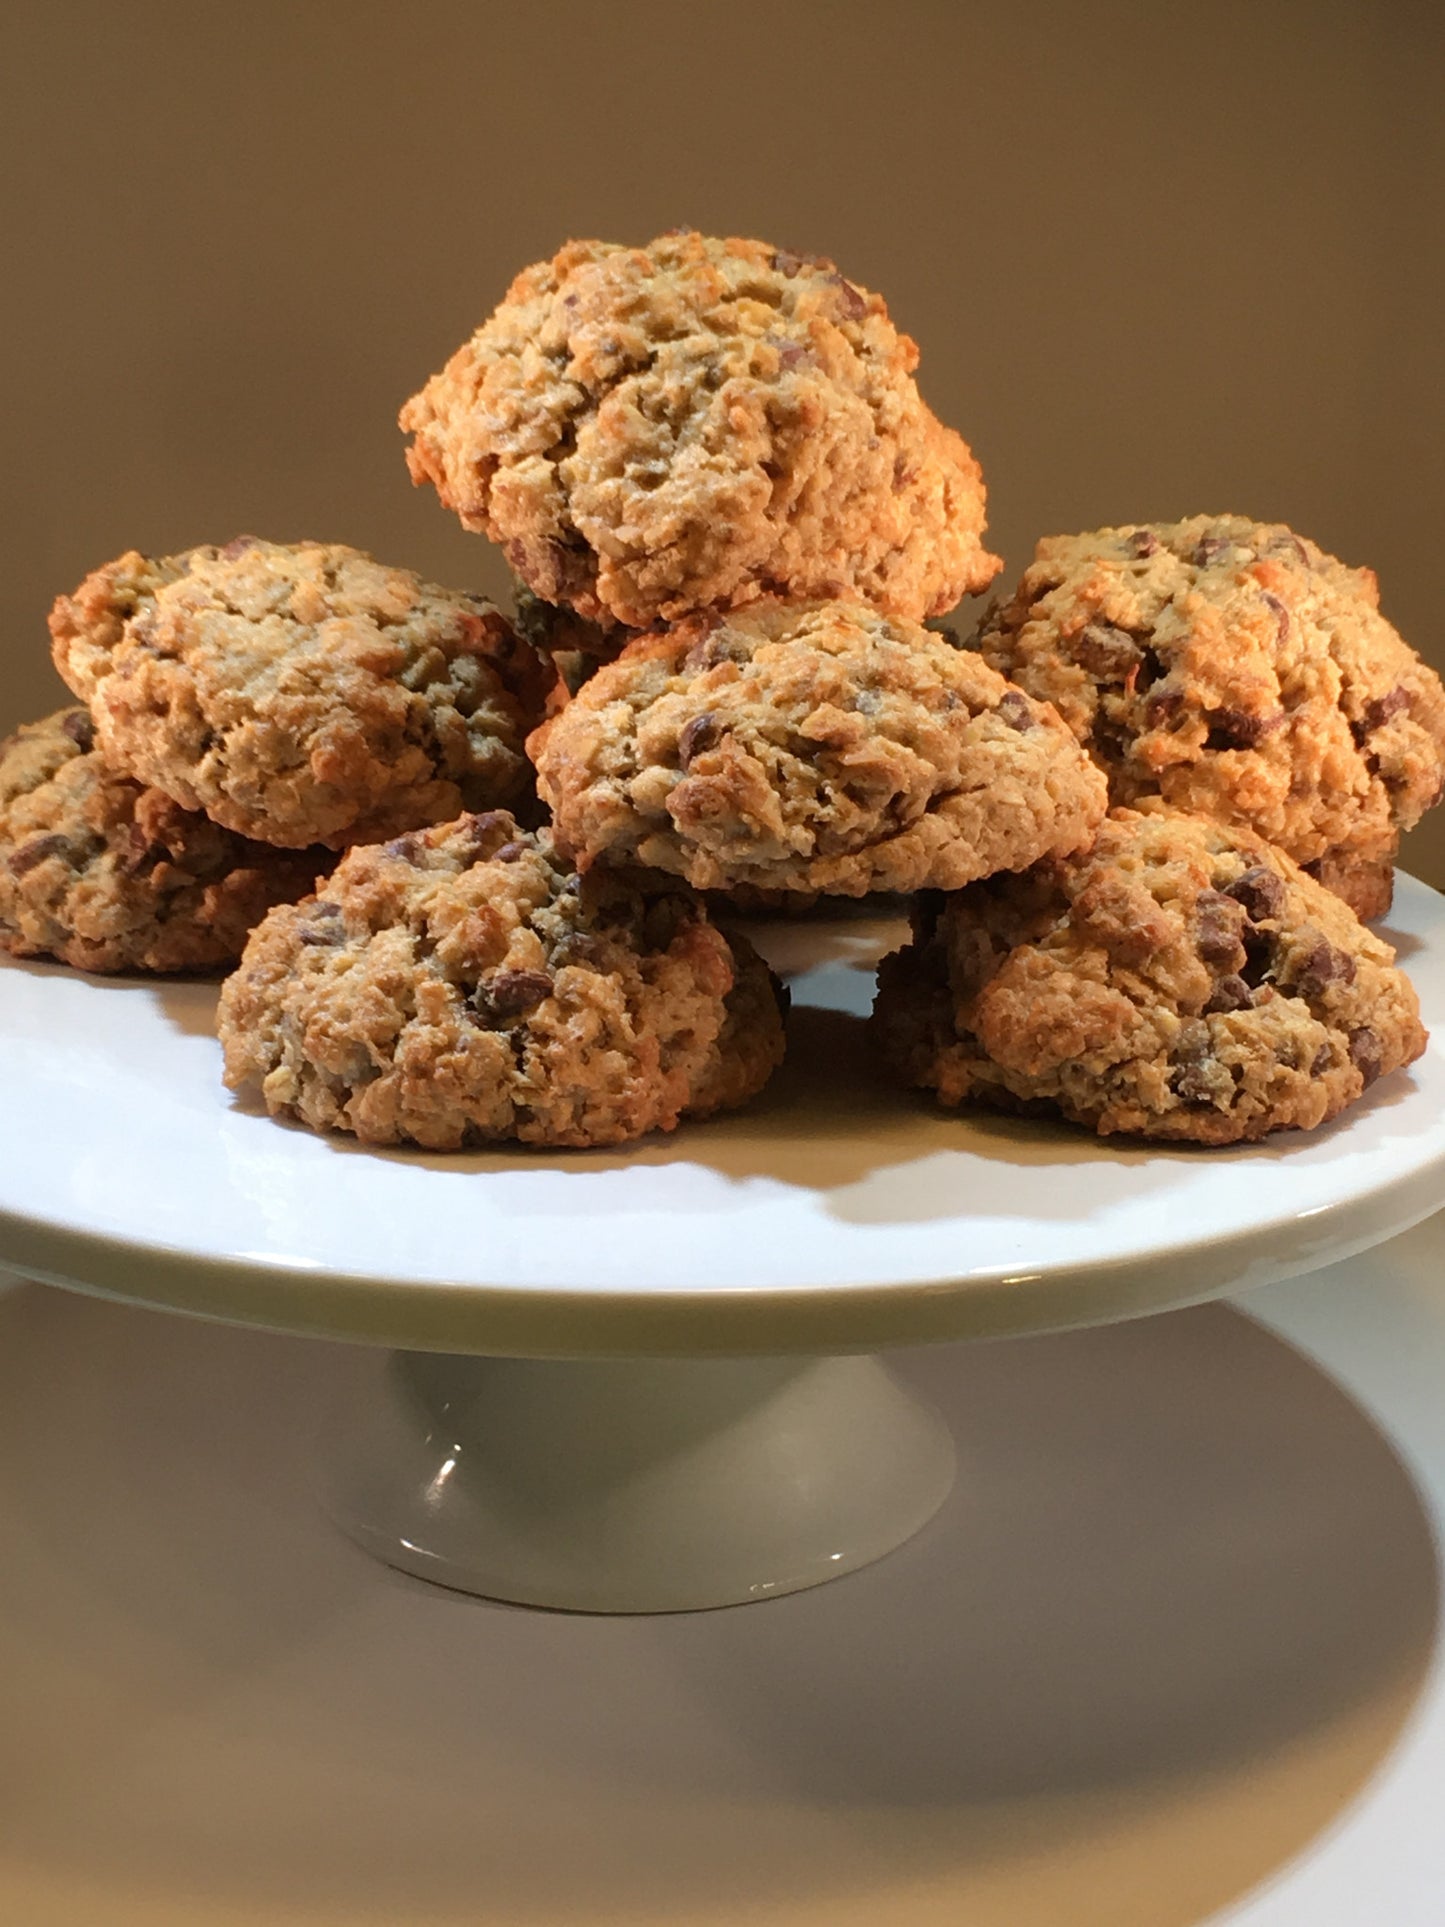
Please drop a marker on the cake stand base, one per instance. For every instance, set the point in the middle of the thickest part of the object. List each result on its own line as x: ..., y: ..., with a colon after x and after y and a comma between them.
x: 625, y: 1486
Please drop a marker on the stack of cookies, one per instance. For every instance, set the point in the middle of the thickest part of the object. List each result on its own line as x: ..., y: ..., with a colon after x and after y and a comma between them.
x: 247, y: 711
x: 731, y: 516
x: 252, y: 710
x: 1201, y: 972
x: 709, y: 465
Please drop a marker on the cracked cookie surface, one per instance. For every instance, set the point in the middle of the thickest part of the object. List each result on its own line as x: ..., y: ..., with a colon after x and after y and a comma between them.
x: 648, y: 431
x: 1181, y: 980
x: 107, y: 875
x: 811, y: 747
x: 463, y: 984
x: 1234, y: 668
x: 300, y: 693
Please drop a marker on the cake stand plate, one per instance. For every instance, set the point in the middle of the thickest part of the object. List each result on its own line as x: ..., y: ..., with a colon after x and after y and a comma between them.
x: 626, y: 1380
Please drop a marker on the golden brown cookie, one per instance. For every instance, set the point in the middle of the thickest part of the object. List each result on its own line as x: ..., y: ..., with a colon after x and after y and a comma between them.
x: 108, y: 876
x: 300, y: 693
x: 649, y: 431
x: 811, y: 747
x: 1180, y: 980
x: 462, y: 984
x: 1234, y: 668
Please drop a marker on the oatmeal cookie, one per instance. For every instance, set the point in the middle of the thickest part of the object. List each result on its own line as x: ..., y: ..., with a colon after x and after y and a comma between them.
x: 300, y: 693
x: 811, y: 747
x: 1233, y: 668
x: 462, y: 983
x: 106, y: 875
x: 1180, y: 980
x: 650, y: 431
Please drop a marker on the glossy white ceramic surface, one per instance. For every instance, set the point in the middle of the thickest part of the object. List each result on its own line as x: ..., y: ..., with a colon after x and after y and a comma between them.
x: 637, y: 1485
x: 834, y: 1214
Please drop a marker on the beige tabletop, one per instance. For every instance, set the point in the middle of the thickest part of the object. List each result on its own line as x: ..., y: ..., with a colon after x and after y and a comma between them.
x: 1167, y: 1656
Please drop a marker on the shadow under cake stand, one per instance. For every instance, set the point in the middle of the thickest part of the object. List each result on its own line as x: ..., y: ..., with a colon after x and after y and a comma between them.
x: 641, y: 1380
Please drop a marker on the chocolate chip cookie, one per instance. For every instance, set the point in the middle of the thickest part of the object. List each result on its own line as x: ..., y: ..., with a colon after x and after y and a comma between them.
x: 813, y: 746
x: 1234, y: 668
x: 300, y: 693
x: 104, y: 874
x: 462, y: 984
x: 649, y: 431
x: 1180, y: 980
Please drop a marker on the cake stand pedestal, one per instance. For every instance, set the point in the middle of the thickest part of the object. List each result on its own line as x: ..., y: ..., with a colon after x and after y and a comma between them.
x: 637, y: 1380
x: 638, y: 1485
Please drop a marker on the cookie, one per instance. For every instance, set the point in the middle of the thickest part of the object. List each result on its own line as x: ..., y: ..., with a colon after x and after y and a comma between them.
x: 101, y: 873
x: 300, y: 693
x: 1234, y: 668
x: 811, y: 747
x: 650, y: 431
x: 1180, y: 980
x: 462, y: 984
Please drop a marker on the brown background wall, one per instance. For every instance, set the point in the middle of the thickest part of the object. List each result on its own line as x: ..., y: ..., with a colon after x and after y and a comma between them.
x: 1159, y: 258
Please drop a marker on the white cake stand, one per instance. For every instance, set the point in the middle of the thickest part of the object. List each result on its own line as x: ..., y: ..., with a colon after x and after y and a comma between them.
x: 637, y: 1380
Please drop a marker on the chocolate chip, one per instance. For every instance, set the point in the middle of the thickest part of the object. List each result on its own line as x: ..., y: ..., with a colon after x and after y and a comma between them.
x: 850, y: 299
x: 1260, y: 891
x: 790, y: 263
x: 710, y: 648
x: 479, y: 827
x: 35, y: 851
x: 1323, y: 1058
x: 792, y: 354
x: 1209, y: 548
x: 1217, y: 927
x: 238, y: 545
x: 140, y: 854
x: 1379, y: 712
x: 324, y: 925
x: 409, y: 846
x: 577, y: 947
x: 1288, y: 540
x: 1238, y: 729
x: 1015, y: 709
x: 1321, y: 965
x: 1366, y: 1053
x: 1162, y: 707
x: 557, y: 570
x: 80, y: 729
x: 1141, y: 542
x: 507, y: 993
x: 704, y: 732
x: 1195, y: 1084
x: 1230, y: 993
x: 509, y: 853
x: 1281, y: 614
x: 1106, y: 650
